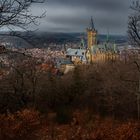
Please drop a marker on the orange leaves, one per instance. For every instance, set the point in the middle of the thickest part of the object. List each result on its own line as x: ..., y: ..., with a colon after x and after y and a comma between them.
x: 25, y: 125
x: 18, y: 125
x: 96, y: 129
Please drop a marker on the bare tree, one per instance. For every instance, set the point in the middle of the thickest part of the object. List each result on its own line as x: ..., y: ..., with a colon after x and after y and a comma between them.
x: 134, y: 24
x: 17, y: 13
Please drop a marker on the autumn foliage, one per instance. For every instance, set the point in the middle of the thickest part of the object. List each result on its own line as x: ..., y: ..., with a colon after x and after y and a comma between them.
x: 19, y: 125
x: 28, y: 125
x: 93, y: 102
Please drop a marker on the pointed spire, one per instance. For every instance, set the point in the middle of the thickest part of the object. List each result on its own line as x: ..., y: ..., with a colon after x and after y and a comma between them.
x: 92, y: 24
x: 107, y: 37
x: 82, y: 43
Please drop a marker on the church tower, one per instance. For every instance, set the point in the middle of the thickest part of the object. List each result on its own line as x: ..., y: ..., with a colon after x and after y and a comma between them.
x: 91, y: 37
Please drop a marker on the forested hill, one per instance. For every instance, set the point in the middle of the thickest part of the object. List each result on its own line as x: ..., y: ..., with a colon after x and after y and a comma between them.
x: 42, y: 39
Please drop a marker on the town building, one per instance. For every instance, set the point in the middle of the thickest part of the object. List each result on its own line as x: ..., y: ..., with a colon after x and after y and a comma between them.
x: 78, y: 56
x: 64, y: 65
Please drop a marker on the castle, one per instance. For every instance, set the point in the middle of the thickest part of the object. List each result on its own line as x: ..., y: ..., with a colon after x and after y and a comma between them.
x: 93, y: 51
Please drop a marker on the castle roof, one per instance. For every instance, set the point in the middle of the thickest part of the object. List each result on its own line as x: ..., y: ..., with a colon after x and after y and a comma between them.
x: 75, y: 52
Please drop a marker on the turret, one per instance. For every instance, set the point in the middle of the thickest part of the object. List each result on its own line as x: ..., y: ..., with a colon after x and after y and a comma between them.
x: 107, y: 37
x: 82, y: 43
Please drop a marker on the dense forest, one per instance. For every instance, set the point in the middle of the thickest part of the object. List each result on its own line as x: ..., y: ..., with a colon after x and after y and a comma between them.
x: 96, y: 101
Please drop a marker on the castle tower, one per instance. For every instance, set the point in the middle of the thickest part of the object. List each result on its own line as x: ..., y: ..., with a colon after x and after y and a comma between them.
x: 91, y: 35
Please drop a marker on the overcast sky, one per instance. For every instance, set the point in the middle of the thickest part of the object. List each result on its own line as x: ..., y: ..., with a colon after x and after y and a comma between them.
x: 74, y: 15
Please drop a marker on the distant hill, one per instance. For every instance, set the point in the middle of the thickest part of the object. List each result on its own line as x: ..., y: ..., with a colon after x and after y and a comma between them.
x: 14, y: 41
x: 38, y: 39
x: 62, y: 38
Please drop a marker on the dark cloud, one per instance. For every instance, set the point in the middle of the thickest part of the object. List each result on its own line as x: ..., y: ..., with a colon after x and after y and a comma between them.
x: 74, y: 15
x: 108, y: 5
